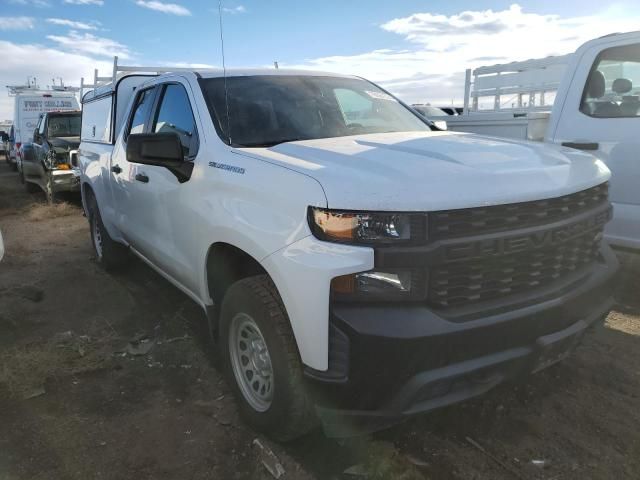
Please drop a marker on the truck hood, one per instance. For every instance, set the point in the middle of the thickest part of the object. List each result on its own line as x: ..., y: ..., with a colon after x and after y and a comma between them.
x: 65, y: 143
x: 435, y: 170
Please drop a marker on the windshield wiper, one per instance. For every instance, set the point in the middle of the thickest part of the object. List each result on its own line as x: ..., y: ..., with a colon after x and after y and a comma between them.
x: 272, y: 143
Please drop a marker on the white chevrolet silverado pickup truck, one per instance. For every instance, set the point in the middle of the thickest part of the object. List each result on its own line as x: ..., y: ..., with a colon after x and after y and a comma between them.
x: 356, y: 267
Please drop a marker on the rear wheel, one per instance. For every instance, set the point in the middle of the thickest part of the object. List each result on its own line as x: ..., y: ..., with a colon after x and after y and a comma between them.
x: 261, y: 360
x: 111, y: 255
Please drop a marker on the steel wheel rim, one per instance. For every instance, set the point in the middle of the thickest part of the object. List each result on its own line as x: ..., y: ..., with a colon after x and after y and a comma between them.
x: 251, y: 362
x: 97, y: 237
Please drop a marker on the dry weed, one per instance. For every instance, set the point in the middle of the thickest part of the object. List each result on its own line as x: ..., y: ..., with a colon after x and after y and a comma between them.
x: 39, y: 212
x: 26, y: 368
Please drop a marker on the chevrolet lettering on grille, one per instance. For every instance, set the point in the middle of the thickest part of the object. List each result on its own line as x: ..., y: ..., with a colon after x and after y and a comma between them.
x: 519, y: 243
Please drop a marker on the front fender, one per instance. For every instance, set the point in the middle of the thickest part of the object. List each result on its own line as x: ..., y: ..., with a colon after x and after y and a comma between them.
x: 302, y: 272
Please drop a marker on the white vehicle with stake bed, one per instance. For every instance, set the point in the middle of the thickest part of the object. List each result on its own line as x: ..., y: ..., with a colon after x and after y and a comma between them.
x: 355, y: 266
x: 596, y: 108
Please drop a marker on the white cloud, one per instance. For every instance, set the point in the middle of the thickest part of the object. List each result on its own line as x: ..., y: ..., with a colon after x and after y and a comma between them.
x: 91, y: 45
x: 72, y: 24
x: 20, y: 61
x: 16, y: 23
x: 171, y: 8
x: 420, y: 27
x: 33, y: 3
x: 234, y: 10
x: 84, y: 2
x: 440, y: 47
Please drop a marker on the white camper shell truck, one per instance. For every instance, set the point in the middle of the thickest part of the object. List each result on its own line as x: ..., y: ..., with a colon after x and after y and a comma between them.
x: 355, y: 265
x: 596, y: 109
x: 29, y: 102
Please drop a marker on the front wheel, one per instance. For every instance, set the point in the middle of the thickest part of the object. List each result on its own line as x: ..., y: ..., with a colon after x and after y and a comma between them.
x: 49, y: 189
x: 111, y: 255
x: 261, y: 360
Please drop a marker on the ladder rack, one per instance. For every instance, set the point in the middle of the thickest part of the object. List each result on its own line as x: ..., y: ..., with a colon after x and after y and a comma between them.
x: 19, y: 89
x: 121, y: 70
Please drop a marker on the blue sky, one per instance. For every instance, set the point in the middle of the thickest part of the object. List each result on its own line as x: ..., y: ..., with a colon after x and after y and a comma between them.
x: 418, y: 49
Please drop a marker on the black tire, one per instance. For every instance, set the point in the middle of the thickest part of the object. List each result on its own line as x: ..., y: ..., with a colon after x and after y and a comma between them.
x: 112, y: 256
x: 291, y: 413
x: 14, y: 166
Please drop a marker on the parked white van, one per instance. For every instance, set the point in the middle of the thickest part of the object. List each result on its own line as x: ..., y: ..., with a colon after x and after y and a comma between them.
x: 30, y: 102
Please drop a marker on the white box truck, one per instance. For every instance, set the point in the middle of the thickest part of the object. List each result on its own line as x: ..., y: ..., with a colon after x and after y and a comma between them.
x: 29, y: 102
x: 596, y: 109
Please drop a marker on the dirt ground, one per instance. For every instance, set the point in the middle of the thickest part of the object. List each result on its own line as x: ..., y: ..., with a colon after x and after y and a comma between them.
x: 109, y: 377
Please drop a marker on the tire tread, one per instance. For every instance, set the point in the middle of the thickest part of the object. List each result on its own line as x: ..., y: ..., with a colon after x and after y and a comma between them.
x: 114, y: 255
x: 302, y: 416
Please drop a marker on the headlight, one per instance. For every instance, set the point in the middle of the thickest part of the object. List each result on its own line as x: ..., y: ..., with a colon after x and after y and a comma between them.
x: 360, y: 227
x: 380, y: 285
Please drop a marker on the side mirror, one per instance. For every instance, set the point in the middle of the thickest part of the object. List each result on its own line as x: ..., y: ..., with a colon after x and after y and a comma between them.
x: 159, y: 149
x: 36, y: 136
x: 440, y: 124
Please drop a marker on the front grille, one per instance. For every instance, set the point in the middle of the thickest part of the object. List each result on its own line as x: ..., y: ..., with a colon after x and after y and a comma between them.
x: 476, y: 221
x: 502, y: 274
x: 463, y: 283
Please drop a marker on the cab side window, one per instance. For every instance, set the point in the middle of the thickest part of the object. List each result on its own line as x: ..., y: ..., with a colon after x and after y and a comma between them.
x: 613, y: 87
x: 174, y: 115
x: 143, y: 105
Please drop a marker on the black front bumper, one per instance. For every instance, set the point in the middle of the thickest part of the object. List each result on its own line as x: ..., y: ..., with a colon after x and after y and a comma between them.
x: 388, y: 362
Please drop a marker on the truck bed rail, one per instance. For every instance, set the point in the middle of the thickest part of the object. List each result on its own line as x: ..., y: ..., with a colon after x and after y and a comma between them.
x: 527, y: 83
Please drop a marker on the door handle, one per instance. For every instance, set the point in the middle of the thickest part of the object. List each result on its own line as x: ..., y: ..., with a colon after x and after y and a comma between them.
x: 141, y: 177
x: 582, y: 145
x: 116, y: 169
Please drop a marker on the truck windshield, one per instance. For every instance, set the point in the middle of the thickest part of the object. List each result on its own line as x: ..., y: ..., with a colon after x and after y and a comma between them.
x: 63, y: 126
x: 266, y: 110
x: 429, y: 111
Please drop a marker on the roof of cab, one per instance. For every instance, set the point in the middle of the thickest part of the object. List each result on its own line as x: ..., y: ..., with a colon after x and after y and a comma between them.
x: 248, y: 72
x: 108, y: 88
x: 610, y: 38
